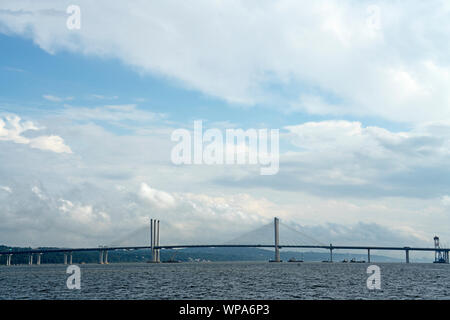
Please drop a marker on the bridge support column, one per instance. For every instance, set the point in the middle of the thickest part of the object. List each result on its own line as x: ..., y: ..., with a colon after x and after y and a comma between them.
x: 368, y: 255
x: 331, y: 252
x: 100, y: 257
x: 65, y: 258
x: 70, y: 258
x: 38, y: 258
x: 105, y: 255
x: 407, y: 255
x: 30, y: 259
x: 276, y: 223
x: 8, y: 259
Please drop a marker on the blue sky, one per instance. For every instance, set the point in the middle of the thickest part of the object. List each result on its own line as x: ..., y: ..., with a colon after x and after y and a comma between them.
x: 29, y: 71
x: 360, y: 98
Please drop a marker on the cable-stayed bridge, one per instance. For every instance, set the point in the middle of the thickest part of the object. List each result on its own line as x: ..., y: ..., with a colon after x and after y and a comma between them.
x: 274, y: 235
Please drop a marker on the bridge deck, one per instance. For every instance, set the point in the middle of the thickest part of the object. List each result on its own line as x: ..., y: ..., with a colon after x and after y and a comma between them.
x: 66, y: 250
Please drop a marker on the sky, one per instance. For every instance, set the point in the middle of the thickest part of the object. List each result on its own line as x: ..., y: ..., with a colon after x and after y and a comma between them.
x: 359, y: 91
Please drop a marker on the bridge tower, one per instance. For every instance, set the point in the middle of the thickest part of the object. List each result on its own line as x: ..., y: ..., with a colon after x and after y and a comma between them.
x: 276, y: 223
x: 154, y: 240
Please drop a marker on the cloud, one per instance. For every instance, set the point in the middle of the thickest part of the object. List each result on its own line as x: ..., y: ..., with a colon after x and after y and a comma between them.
x: 157, y: 198
x: 13, y: 69
x: 6, y: 189
x: 69, y: 216
x: 326, y: 57
x: 84, y: 214
x: 334, y: 174
x: 52, y: 98
x: 103, y: 97
x: 345, y: 159
x: 38, y: 192
x: 50, y: 143
x: 445, y: 200
x: 116, y: 113
x: 12, y: 129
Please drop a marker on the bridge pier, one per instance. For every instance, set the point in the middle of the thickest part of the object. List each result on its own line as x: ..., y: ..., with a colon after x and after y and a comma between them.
x: 407, y: 255
x: 331, y: 252
x: 65, y: 258
x: 368, y: 255
x: 8, y: 259
x: 30, y: 259
x: 105, y: 257
x: 38, y: 258
x: 70, y: 258
x: 100, y: 257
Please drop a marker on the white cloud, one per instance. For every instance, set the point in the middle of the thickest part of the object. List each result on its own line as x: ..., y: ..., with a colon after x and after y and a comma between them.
x: 53, y: 98
x: 103, y: 97
x: 38, y: 192
x: 111, y: 113
x: 329, y: 57
x: 90, y: 215
x: 84, y: 214
x: 336, y: 172
x: 6, y: 189
x: 157, y: 198
x: 12, y: 129
x: 344, y: 159
x: 50, y: 143
x: 445, y: 200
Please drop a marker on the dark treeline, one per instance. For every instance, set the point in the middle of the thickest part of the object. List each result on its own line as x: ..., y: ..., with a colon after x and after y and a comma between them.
x: 77, y: 257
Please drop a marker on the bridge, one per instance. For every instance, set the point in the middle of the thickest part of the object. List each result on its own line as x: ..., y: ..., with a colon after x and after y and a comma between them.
x: 441, y: 254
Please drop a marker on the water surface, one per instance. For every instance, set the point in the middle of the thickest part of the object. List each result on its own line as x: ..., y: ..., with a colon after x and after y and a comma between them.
x: 230, y: 280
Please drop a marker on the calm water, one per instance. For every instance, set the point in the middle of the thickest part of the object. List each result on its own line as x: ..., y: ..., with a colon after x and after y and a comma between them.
x: 233, y: 280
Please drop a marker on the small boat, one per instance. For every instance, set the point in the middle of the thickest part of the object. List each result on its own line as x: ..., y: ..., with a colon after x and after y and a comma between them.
x: 344, y: 261
x: 355, y: 261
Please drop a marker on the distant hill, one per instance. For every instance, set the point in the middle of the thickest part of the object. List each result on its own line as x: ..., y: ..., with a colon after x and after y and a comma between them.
x: 194, y: 254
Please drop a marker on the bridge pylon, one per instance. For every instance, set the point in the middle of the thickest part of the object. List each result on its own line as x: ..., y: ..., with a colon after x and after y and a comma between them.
x: 154, y: 240
x: 276, y: 224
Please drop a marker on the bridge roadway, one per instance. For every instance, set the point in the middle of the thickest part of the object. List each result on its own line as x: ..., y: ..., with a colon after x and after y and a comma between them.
x: 181, y: 246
